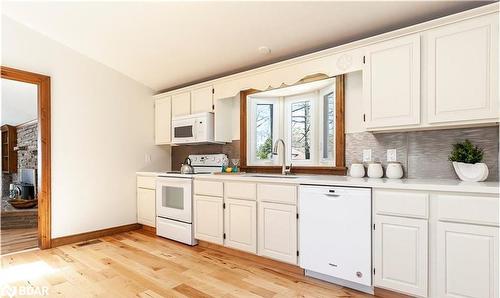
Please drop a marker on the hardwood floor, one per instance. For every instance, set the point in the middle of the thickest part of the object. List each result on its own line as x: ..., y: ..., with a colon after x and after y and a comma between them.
x: 135, y: 264
x: 12, y: 240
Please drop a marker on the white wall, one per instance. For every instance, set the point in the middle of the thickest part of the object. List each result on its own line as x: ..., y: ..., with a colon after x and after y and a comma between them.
x: 102, y: 127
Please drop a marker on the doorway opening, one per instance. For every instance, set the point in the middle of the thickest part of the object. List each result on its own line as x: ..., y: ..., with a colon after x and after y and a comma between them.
x: 25, y: 150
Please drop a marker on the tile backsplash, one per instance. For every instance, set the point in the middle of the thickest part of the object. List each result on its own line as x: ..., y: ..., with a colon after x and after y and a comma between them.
x: 179, y: 153
x: 424, y: 154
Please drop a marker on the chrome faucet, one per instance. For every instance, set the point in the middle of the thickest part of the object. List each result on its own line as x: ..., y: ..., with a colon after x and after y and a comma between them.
x: 284, y: 169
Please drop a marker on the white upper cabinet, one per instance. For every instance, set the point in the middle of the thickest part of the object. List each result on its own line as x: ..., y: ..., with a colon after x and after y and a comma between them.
x: 163, y: 117
x: 391, y: 83
x: 181, y: 104
x: 202, y: 100
x: 463, y: 71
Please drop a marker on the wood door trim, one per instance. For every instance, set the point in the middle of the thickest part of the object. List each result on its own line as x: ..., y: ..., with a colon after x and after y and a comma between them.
x: 338, y: 169
x: 95, y: 234
x: 44, y: 180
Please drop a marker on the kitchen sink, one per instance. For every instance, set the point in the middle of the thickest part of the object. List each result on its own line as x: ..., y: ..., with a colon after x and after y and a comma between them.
x: 274, y: 176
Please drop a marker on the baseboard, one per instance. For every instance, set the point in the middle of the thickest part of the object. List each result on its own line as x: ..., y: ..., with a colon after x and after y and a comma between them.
x: 149, y: 230
x: 254, y: 258
x: 383, y: 293
x: 94, y: 234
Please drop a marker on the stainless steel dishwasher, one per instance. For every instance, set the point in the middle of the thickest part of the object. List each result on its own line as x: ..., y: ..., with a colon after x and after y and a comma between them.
x: 335, y: 234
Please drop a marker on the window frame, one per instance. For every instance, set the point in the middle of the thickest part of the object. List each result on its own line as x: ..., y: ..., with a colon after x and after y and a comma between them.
x: 287, y: 136
x: 322, y: 168
x: 321, y: 129
x: 275, y: 127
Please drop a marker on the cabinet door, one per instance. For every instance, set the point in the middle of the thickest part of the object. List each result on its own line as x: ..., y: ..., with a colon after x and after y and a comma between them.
x: 208, y: 219
x: 391, y: 83
x: 181, y: 104
x: 146, y: 207
x: 163, y: 117
x: 467, y: 260
x: 278, y: 232
x: 401, y: 254
x: 463, y: 71
x: 202, y: 100
x: 240, y: 225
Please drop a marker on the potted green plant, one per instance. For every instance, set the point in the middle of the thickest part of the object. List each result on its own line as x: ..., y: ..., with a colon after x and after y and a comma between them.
x: 467, y: 162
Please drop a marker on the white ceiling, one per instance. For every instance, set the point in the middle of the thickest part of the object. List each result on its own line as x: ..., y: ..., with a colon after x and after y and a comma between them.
x: 168, y: 44
x: 18, y: 102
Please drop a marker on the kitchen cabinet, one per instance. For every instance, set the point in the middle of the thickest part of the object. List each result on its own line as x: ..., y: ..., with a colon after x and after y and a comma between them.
x: 240, y: 224
x: 391, y: 83
x: 202, y: 100
x: 401, y: 254
x: 208, y: 219
x: 467, y: 260
x: 181, y: 104
x: 146, y: 201
x: 163, y: 123
x: 277, y: 230
x: 462, y: 72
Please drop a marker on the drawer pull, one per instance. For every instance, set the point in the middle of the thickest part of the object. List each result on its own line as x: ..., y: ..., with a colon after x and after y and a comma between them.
x: 333, y: 265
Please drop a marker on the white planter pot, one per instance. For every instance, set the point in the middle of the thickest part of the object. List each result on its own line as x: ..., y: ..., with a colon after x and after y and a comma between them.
x: 471, y: 172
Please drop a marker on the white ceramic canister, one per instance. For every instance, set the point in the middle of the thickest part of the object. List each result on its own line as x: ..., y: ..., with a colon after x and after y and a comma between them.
x: 394, y: 170
x: 375, y: 170
x: 357, y: 170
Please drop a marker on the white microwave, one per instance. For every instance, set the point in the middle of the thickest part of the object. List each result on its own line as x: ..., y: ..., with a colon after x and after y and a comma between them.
x: 192, y: 129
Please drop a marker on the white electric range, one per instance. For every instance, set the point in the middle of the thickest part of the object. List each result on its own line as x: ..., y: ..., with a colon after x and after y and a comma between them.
x: 174, y: 198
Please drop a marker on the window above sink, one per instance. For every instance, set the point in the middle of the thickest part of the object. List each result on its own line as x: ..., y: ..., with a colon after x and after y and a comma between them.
x: 308, y: 117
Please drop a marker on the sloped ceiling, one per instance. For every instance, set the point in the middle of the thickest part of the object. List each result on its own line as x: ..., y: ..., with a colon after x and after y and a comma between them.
x: 168, y: 44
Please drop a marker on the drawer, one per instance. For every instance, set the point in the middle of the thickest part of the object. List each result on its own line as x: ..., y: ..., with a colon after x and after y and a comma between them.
x: 146, y: 182
x: 402, y: 203
x: 175, y: 230
x: 208, y: 188
x: 278, y: 193
x: 468, y: 209
x: 240, y: 190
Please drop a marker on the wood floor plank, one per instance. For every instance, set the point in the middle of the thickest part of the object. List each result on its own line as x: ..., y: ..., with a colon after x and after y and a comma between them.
x: 136, y: 264
x: 13, y: 240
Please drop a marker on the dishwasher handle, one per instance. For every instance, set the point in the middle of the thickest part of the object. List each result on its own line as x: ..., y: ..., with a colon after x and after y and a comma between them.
x: 332, y: 195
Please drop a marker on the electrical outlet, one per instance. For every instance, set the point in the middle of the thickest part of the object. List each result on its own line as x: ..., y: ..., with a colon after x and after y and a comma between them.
x: 147, y: 158
x: 367, y: 155
x: 391, y: 155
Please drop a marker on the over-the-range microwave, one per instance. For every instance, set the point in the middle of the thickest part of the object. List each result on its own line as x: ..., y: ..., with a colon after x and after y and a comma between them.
x: 193, y: 129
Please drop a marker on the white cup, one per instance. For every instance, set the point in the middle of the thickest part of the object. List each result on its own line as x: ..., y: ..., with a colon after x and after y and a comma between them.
x: 357, y: 170
x: 394, y: 170
x: 375, y: 170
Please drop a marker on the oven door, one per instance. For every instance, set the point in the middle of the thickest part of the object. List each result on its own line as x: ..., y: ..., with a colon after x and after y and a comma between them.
x: 174, y: 198
x: 184, y: 131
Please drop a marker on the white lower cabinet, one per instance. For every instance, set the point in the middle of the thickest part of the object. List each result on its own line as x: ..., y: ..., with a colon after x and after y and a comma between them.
x: 146, y: 206
x: 240, y: 224
x: 209, y: 219
x: 401, y: 254
x: 277, y: 230
x: 467, y: 260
